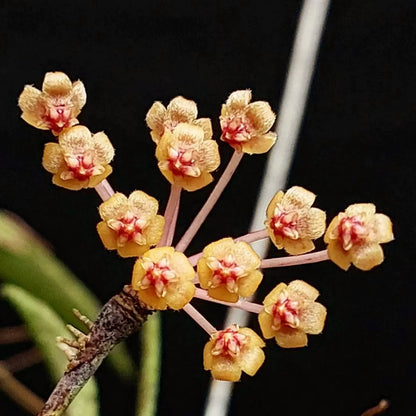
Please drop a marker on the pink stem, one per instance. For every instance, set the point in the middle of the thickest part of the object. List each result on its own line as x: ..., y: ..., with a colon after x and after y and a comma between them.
x: 241, y: 304
x: 254, y: 236
x: 199, y: 319
x: 295, y: 260
x: 104, y: 190
x: 210, y: 202
x: 171, y: 215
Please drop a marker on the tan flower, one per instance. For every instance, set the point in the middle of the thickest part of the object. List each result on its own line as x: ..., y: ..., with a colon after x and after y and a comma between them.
x: 354, y: 236
x: 180, y: 110
x: 245, y: 126
x: 290, y: 312
x: 56, y: 106
x: 229, y: 269
x: 130, y: 225
x: 186, y: 158
x: 233, y: 350
x: 79, y: 159
x: 291, y: 222
x: 163, y: 278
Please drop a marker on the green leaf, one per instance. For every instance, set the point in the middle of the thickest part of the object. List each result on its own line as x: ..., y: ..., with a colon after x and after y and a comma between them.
x: 150, y: 362
x: 26, y: 261
x: 44, y: 325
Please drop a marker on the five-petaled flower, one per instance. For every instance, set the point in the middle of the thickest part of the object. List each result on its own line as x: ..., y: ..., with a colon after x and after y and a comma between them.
x: 229, y: 269
x: 186, y: 157
x: 79, y: 159
x: 245, y: 126
x: 231, y: 351
x: 292, y: 223
x: 290, y: 312
x: 180, y: 110
x: 354, y: 236
x: 130, y: 225
x: 163, y: 278
x: 56, y: 106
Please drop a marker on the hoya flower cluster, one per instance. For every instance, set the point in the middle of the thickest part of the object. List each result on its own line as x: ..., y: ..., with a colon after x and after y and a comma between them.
x: 227, y: 271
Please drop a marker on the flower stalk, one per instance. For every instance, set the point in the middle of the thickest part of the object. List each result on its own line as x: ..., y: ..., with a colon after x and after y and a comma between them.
x: 295, y: 260
x: 210, y: 202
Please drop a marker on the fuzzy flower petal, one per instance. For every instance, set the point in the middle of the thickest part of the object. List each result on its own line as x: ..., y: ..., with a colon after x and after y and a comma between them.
x: 163, y: 278
x: 186, y: 158
x: 79, y: 159
x: 56, y: 106
x: 231, y: 351
x: 229, y: 270
x: 354, y: 236
x: 130, y: 225
x: 292, y: 223
x: 180, y: 110
x: 245, y: 126
x: 290, y: 313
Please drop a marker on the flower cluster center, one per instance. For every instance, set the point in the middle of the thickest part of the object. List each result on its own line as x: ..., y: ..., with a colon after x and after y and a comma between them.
x: 351, y: 231
x: 236, y: 129
x: 228, y: 342
x: 285, y: 312
x: 158, y: 275
x: 129, y: 227
x: 284, y: 223
x: 225, y: 272
x: 183, y: 163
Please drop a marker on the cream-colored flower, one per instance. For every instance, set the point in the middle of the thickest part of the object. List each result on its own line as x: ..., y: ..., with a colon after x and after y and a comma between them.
x: 130, y: 225
x: 292, y: 223
x: 245, y: 126
x: 229, y: 270
x: 290, y: 312
x: 180, y: 110
x: 79, y: 159
x: 163, y: 278
x: 56, y: 106
x: 186, y: 158
x: 354, y: 236
x: 233, y: 350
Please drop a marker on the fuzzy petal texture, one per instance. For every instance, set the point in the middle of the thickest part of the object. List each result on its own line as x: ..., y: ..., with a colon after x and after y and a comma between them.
x: 80, y: 159
x: 228, y: 270
x: 161, y: 119
x: 245, y: 126
x: 130, y: 225
x: 56, y: 107
x: 227, y: 362
x: 290, y: 313
x: 186, y: 157
x: 163, y: 278
x: 354, y: 237
x: 292, y: 222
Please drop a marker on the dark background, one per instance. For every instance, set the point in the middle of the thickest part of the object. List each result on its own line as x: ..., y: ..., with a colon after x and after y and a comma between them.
x: 356, y: 145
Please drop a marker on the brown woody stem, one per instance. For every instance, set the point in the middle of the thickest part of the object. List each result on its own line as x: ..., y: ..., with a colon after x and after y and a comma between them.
x: 121, y: 316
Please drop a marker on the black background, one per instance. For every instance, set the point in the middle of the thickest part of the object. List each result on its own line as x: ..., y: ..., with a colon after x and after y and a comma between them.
x: 355, y: 145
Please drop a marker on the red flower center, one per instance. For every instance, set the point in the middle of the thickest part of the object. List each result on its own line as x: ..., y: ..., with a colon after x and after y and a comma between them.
x: 285, y: 312
x: 130, y: 227
x: 57, y: 117
x: 228, y: 342
x: 158, y: 275
x: 351, y: 231
x: 182, y: 163
x: 225, y: 272
x: 236, y: 129
x: 284, y: 223
x: 81, y: 166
